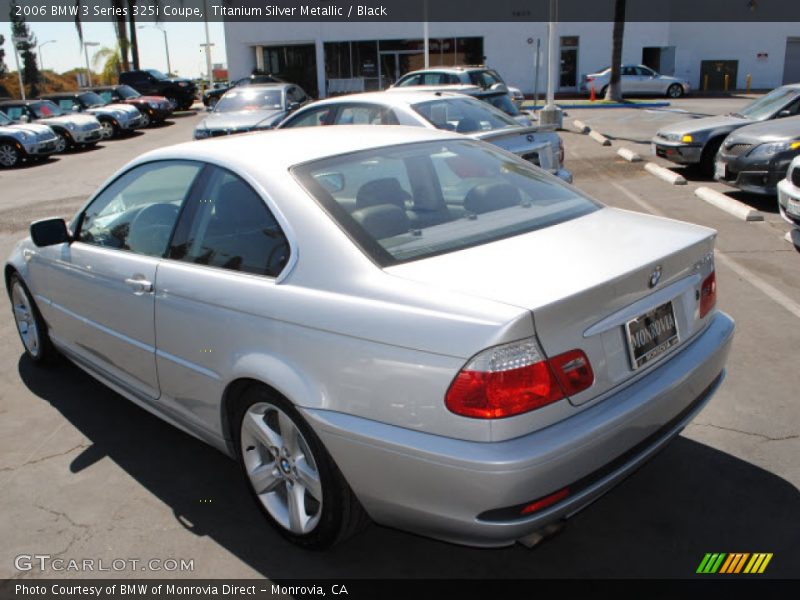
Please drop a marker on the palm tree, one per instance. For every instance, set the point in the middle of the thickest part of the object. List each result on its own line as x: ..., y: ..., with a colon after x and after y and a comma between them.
x: 122, y: 34
x: 109, y: 62
x: 614, y: 89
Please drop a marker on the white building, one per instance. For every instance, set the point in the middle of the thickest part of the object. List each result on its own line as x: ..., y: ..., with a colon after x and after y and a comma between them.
x: 346, y: 56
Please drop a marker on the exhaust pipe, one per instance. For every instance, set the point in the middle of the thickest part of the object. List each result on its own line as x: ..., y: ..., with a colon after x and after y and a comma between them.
x: 535, y: 538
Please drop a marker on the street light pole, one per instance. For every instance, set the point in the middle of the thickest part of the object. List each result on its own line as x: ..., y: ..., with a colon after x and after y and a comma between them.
x: 166, y: 43
x: 86, y: 55
x: 551, y: 113
x: 39, y: 52
x: 208, y: 45
x: 18, y: 40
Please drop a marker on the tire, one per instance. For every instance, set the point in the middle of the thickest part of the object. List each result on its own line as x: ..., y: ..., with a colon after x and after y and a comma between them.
x: 675, y: 91
x: 187, y: 104
x: 10, y: 156
x: 212, y: 102
x: 31, y: 327
x: 603, y: 91
x: 64, y: 142
x: 172, y: 102
x: 291, y: 476
x: 146, y: 122
x: 108, y: 129
x: 706, y: 166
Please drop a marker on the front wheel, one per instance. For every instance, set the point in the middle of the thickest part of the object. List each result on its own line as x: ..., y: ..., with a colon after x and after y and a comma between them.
x: 10, y: 155
x: 107, y: 129
x: 30, y: 324
x: 675, y: 91
x: 63, y: 143
x: 145, y: 120
x: 291, y: 475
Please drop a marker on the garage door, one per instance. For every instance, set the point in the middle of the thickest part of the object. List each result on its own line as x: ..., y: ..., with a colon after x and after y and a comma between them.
x: 791, y: 67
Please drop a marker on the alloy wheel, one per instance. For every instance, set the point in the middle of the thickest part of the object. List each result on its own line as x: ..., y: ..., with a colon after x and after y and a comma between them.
x: 145, y: 120
x: 61, y: 143
x: 9, y: 155
x: 107, y: 130
x: 25, y: 319
x: 281, y: 468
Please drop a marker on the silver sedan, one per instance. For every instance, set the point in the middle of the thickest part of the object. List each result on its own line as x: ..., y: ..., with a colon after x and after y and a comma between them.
x: 385, y: 322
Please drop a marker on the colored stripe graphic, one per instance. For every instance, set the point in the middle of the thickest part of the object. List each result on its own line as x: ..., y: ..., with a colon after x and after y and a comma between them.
x: 741, y: 562
x: 711, y: 562
x: 715, y: 567
x: 730, y: 561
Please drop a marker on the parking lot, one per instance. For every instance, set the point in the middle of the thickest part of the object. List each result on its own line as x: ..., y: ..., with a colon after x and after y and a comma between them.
x: 86, y: 474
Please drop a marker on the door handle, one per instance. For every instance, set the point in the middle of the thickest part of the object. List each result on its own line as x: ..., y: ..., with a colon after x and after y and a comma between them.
x: 140, y: 285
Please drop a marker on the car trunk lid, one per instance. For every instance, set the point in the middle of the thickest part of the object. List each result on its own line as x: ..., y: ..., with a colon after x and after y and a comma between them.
x: 537, y: 144
x: 584, y: 280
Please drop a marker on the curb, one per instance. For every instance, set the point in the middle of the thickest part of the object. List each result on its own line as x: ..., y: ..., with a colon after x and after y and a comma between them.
x: 665, y: 174
x: 581, y: 126
x: 599, y: 138
x: 629, y: 155
x: 729, y: 205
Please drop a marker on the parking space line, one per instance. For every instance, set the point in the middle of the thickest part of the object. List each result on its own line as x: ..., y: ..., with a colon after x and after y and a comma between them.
x: 746, y: 274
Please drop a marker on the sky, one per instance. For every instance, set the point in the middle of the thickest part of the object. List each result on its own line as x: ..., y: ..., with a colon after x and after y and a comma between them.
x: 186, y: 56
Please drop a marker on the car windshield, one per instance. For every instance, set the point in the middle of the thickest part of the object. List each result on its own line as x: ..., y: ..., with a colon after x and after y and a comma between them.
x: 766, y: 106
x: 413, y: 201
x: 4, y: 120
x: 45, y: 109
x: 485, y: 79
x: 126, y: 91
x: 157, y: 74
x: 464, y: 115
x: 250, y: 99
x: 91, y: 99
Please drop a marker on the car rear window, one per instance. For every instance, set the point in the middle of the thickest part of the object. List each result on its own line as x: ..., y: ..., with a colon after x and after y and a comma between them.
x: 413, y: 201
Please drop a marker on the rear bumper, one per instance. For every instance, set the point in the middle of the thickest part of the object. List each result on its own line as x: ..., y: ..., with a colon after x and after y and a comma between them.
x: 439, y: 486
x: 683, y: 154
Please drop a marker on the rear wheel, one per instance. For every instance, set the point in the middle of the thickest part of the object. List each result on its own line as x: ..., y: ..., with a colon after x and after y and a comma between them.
x: 293, y: 478
x: 172, y: 102
x: 10, y: 155
x: 675, y: 91
x: 603, y: 91
x: 30, y: 325
x: 187, y: 104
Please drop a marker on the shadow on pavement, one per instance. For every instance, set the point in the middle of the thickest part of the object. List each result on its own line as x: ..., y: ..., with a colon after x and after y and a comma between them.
x: 689, y: 500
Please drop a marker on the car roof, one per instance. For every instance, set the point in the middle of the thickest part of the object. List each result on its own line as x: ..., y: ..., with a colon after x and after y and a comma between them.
x: 256, y: 86
x: 280, y: 149
x: 397, y: 97
x: 453, y: 69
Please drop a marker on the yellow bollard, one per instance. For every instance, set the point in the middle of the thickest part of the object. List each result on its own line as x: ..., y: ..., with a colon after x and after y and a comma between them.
x: 727, y: 80
x: 705, y: 82
x: 748, y: 81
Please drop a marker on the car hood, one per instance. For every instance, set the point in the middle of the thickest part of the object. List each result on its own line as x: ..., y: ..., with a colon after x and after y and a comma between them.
x: 31, y: 128
x: 74, y: 119
x: 109, y: 109
x: 705, y: 124
x: 769, y: 131
x: 241, y: 119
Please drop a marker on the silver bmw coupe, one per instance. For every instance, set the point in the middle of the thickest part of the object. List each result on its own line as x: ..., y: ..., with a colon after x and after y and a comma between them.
x: 386, y: 323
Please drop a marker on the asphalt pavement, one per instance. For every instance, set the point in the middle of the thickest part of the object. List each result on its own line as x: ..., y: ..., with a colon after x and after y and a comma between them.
x: 85, y: 474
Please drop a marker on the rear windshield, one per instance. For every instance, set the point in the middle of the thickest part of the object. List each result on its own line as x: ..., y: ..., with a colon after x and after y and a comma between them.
x: 414, y: 201
x: 250, y: 99
x: 464, y: 115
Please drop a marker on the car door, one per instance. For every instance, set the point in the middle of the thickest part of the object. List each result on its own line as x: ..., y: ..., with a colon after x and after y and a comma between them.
x: 220, y: 277
x: 99, y: 289
x: 629, y: 80
x: 649, y: 82
x: 357, y: 113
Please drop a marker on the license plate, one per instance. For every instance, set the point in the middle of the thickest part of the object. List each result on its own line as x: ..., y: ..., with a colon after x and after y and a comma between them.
x: 651, y: 335
x: 720, y: 170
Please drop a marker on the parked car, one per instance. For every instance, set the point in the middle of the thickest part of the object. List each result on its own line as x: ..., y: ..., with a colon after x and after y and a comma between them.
x: 756, y: 157
x: 479, y: 75
x: 251, y: 108
x: 116, y: 119
x: 24, y: 142
x: 473, y: 377
x: 72, y: 129
x: 149, y: 82
x: 498, y: 97
x: 636, y: 80
x: 211, y: 97
x: 154, y: 109
x: 789, y: 195
x: 696, y: 141
x: 440, y: 110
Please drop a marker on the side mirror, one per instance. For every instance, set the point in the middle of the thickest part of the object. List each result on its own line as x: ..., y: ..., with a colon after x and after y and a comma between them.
x: 784, y: 113
x: 293, y: 106
x: 49, y: 232
x: 24, y: 119
x: 499, y: 87
x: 332, y: 181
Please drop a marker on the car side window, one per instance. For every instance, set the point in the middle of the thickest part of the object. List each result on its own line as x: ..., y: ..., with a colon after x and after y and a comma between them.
x: 67, y: 104
x: 13, y: 112
x: 645, y: 72
x: 411, y: 80
x: 229, y: 226
x: 366, y: 115
x: 627, y: 71
x: 313, y: 117
x: 106, y: 96
x: 137, y: 212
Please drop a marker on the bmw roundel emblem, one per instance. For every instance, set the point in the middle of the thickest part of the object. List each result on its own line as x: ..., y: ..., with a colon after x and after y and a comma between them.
x: 655, y: 277
x: 530, y: 137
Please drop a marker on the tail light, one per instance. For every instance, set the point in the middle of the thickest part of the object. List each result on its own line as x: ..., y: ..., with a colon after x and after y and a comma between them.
x: 589, y: 79
x: 516, y: 378
x: 708, y: 294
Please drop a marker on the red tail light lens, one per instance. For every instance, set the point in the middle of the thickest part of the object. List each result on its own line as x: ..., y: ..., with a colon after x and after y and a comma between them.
x: 589, y: 79
x: 708, y: 294
x: 515, y: 378
x: 545, y: 502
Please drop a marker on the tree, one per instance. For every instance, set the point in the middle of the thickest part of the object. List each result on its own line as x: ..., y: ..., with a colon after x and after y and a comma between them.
x: 30, y: 66
x: 109, y: 61
x: 3, y: 68
x: 122, y: 35
x: 614, y: 89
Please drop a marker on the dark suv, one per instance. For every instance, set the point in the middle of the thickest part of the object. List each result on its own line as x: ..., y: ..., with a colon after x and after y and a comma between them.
x: 149, y: 82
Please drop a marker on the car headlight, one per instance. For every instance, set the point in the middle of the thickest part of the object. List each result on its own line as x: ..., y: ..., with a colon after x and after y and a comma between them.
x: 671, y: 137
x: 71, y: 126
x: 152, y: 104
x: 118, y: 114
x: 772, y: 148
x: 24, y: 135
